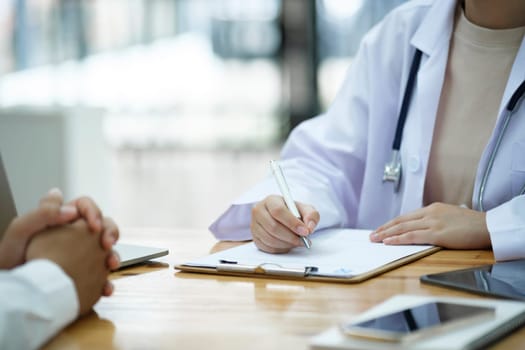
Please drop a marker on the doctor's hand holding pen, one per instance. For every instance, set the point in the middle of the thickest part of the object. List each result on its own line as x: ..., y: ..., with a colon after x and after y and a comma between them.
x: 276, y: 230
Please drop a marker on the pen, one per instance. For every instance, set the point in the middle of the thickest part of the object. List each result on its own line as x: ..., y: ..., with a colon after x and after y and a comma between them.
x: 285, y: 191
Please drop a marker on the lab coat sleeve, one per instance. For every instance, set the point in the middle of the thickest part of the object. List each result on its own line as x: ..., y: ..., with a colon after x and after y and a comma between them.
x: 38, y: 299
x: 323, y: 161
x: 506, y: 225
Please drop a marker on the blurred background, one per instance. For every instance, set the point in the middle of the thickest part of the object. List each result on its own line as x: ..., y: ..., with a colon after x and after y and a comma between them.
x: 164, y: 110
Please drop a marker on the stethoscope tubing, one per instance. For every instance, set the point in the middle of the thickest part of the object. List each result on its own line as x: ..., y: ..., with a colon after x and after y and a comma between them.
x: 510, y: 108
x: 490, y: 163
x: 407, y: 96
x: 409, y: 89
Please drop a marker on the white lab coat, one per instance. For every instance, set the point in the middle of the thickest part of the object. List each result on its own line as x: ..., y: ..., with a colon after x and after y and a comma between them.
x: 335, y: 161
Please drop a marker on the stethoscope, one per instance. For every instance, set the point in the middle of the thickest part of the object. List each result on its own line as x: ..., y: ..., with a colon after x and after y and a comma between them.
x: 393, y: 170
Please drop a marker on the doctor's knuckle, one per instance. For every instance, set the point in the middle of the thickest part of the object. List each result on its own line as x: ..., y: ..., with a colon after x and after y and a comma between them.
x: 270, y: 241
x: 315, y: 215
x: 277, y: 211
x: 435, y: 207
x: 271, y: 198
x: 270, y: 250
x: 400, y: 228
x: 437, y: 225
x: 272, y: 226
x: 261, y: 246
x: 275, y: 250
x: 273, y: 243
x: 394, y: 221
x: 410, y: 237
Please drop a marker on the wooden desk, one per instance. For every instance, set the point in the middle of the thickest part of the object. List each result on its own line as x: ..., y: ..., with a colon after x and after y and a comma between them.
x: 155, y: 307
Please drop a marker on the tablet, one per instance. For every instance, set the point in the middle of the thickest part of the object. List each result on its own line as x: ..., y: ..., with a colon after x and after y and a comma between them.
x: 503, y: 279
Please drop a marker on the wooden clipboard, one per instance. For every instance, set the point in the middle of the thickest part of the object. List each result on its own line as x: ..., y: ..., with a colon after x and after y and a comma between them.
x: 312, y: 265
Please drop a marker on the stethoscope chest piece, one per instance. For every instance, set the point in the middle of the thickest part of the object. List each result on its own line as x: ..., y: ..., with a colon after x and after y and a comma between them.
x: 392, y: 170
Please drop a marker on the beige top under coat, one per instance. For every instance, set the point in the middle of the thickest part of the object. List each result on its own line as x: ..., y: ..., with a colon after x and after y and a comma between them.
x: 478, y: 68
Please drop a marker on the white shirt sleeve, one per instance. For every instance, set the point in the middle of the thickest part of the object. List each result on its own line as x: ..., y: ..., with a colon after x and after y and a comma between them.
x: 37, y: 300
x: 506, y: 225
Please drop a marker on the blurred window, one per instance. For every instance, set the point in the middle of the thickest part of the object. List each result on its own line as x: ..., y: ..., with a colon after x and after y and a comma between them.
x: 341, y: 24
x: 173, y: 72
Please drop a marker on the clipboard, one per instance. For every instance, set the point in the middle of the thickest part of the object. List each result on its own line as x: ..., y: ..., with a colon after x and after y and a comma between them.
x: 337, y: 255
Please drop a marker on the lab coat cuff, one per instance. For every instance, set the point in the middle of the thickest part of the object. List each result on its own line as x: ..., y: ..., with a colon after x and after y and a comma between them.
x: 506, y: 225
x: 234, y: 224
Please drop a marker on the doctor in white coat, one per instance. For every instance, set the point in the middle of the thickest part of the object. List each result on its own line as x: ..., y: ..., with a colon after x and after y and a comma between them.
x: 462, y: 153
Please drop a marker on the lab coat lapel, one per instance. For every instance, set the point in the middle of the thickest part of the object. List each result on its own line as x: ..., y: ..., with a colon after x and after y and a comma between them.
x: 432, y: 38
x: 436, y: 28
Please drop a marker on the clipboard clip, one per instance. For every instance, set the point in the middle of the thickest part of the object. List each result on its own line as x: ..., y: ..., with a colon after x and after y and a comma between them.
x: 265, y: 269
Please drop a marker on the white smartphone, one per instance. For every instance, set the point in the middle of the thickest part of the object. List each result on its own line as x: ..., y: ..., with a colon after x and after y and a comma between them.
x: 418, y: 321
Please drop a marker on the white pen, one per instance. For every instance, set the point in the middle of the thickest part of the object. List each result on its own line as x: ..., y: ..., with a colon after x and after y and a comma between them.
x: 285, y: 191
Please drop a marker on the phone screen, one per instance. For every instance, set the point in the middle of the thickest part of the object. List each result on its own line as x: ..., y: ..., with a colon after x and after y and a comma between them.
x: 397, y: 325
